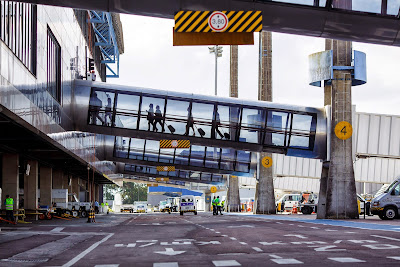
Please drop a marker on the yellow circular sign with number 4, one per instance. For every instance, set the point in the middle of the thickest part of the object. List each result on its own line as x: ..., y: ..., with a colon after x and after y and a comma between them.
x: 266, y: 162
x: 213, y: 189
x: 343, y: 130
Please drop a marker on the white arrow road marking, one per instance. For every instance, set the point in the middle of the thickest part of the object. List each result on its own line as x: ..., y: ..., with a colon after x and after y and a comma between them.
x: 175, y: 243
x: 202, y: 243
x: 327, y: 248
x: 237, y: 226
x: 170, y: 252
x: 299, y: 236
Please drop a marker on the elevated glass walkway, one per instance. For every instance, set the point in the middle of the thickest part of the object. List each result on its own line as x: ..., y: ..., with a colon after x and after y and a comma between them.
x: 196, y: 158
x: 205, y: 121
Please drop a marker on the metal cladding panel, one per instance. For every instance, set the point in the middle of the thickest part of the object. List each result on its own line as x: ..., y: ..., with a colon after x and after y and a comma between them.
x: 296, y: 184
x: 299, y: 166
x: 292, y: 166
x: 306, y: 167
x: 362, y: 133
x: 373, y: 134
x: 384, y: 144
x: 320, y: 67
x: 394, y: 148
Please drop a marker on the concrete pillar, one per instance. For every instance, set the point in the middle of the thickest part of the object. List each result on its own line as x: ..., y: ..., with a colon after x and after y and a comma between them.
x: 321, y: 211
x: 31, y: 183
x: 341, y: 200
x: 101, y: 190
x: 265, y: 188
x: 58, y: 179
x: 233, y: 196
x: 96, y: 192
x: 10, y: 174
x: 46, y: 186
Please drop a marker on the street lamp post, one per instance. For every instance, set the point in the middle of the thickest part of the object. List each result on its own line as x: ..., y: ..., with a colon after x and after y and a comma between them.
x: 218, y: 53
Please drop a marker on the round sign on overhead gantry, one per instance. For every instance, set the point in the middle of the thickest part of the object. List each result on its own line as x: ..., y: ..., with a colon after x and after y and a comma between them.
x: 343, y: 130
x: 218, y: 21
x: 174, y: 143
x: 213, y: 189
x: 266, y: 162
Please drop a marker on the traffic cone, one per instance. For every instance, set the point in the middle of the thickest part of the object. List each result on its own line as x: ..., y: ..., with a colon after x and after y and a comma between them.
x: 294, y: 210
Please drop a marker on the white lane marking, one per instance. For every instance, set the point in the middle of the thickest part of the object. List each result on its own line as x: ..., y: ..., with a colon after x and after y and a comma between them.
x: 394, y: 257
x: 57, y: 229
x: 314, y: 227
x: 243, y: 243
x: 257, y: 249
x: 279, y: 223
x: 107, y: 265
x: 300, y: 225
x: 298, y: 236
x: 165, y: 264
x: 330, y: 230
x: 346, y: 259
x: 381, y: 246
x: 86, y: 251
x: 350, y: 232
x: 240, y: 226
x: 232, y: 238
x: 275, y: 256
x: 212, y: 230
x: 386, y: 237
x: 224, y: 235
x: 291, y: 224
x: 287, y: 261
x: 147, y: 241
x: 226, y: 263
x: 217, y: 232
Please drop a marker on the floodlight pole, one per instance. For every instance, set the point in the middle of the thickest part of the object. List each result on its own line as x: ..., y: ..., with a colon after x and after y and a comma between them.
x: 216, y: 68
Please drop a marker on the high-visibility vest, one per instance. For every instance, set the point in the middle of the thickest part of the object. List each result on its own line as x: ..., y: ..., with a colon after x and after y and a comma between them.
x: 102, y: 204
x: 214, y: 202
x: 218, y: 202
x: 9, y: 203
x: 106, y: 204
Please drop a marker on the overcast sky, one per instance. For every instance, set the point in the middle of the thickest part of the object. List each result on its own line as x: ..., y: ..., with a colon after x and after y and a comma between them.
x: 150, y: 60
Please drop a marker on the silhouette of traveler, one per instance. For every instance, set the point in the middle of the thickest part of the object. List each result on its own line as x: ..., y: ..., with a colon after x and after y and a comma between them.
x: 95, y: 106
x: 217, y: 123
x: 108, y: 111
x: 158, y: 119
x: 190, y: 122
x: 150, y: 117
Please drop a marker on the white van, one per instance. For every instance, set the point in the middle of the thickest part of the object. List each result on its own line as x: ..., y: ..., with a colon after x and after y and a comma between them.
x: 188, y: 204
x: 387, y: 204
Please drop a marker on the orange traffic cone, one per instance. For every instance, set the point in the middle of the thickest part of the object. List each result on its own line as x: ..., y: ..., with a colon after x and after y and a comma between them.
x: 294, y: 210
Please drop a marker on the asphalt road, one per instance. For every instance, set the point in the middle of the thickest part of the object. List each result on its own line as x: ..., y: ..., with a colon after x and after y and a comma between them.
x: 164, y: 240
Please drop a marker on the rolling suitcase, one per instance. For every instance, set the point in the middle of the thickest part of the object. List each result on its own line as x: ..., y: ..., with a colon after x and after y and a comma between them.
x: 227, y: 136
x: 171, y: 128
x: 201, y: 132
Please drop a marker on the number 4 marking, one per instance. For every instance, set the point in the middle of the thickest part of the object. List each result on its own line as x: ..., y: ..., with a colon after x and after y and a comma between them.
x: 343, y: 130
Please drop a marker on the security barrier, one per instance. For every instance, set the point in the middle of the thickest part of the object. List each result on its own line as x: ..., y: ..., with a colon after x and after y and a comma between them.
x: 91, y: 216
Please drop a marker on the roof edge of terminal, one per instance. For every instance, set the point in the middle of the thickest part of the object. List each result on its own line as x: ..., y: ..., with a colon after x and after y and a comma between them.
x: 116, y: 20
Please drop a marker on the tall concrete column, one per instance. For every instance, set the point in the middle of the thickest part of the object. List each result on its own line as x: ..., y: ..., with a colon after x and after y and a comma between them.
x: 58, y: 179
x: 101, y: 190
x: 46, y: 186
x: 96, y: 192
x: 10, y: 174
x: 341, y: 200
x: 265, y: 194
x: 321, y: 211
x: 31, y: 183
x: 233, y: 195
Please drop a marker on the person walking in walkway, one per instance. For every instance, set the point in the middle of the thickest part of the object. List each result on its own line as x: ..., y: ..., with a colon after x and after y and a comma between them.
x: 217, y: 124
x: 214, y: 206
x: 9, y: 208
x: 95, y: 106
x: 102, y: 207
x: 190, y: 122
x: 158, y: 119
x: 218, y: 202
x: 96, y: 207
x: 150, y: 117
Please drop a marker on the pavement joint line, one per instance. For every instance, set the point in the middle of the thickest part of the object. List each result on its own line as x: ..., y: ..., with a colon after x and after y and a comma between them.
x: 86, y: 251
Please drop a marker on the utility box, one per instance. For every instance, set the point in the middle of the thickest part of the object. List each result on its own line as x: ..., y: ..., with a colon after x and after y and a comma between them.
x: 60, y: 196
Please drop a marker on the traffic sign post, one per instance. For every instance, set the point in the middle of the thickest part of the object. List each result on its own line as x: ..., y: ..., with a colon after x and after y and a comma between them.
x: 213, y: 189
x: 343, y: 130
x: 218, y: 21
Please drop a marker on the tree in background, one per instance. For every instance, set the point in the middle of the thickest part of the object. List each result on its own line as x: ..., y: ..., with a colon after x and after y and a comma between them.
x: 130, y: 192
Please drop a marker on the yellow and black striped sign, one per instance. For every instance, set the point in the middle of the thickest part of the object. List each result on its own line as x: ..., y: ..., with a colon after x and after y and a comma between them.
x: 174, y: 143
x: 162, y: 179
x: 238, y: 21
x: 165, y: 168
x: 149, y: 185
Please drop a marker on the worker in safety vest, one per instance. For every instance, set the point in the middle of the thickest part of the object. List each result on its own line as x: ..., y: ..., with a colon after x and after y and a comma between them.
x: 218, y: 202
x: 214, y: 206
x: 102, y: 207
x: 223, y: 205
x: 107, y: 207
x: 9, y: 208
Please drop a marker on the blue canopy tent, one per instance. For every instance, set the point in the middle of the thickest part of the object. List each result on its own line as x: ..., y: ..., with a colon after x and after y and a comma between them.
x: 172, y: 191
